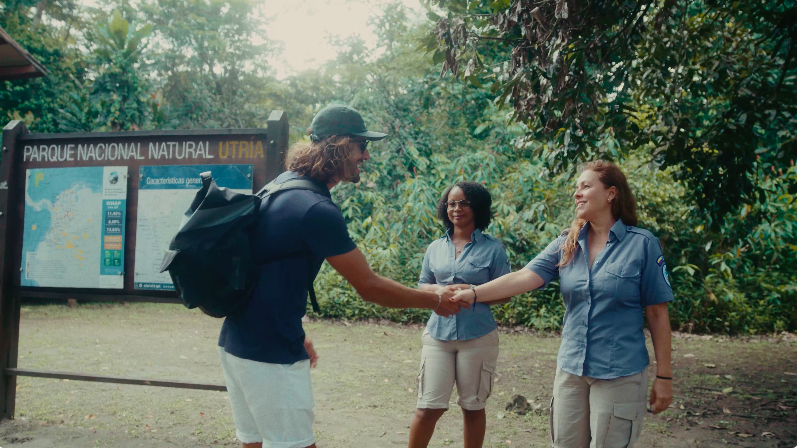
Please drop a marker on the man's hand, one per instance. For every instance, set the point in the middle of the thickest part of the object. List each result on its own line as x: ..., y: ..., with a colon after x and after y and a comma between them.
x: 308, y: 345
x: 660, y: 395
x: 464, y: 296
x: 448, y: 308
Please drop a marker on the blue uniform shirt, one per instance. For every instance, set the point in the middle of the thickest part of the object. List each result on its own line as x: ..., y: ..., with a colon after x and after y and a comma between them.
x: 481, y: 260
x: 270, y: 328
x: 602, y: 329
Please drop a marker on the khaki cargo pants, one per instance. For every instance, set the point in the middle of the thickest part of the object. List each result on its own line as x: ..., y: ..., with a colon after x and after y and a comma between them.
x: 588, y: 412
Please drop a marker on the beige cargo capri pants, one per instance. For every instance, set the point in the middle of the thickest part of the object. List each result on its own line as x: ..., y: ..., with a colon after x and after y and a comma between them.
x: 594, y: 413
x: 469, y: 363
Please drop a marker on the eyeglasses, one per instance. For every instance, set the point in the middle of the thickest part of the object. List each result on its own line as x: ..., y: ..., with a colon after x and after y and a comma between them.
x: 363, y: 144
x: 462, y: 204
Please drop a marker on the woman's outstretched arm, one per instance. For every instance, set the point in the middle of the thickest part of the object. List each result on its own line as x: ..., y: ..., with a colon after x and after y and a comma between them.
x: 508, y: 285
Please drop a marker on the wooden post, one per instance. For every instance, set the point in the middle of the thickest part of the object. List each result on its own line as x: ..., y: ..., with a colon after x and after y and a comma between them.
x: 277, y: 144
x: 10, y: 181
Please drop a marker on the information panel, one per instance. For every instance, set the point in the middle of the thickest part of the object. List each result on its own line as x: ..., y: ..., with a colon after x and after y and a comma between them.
x: 164, y: 194
x: 74, y: 227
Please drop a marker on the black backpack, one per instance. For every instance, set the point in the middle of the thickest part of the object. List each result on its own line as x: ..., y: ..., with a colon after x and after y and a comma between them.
x: 210, y: 259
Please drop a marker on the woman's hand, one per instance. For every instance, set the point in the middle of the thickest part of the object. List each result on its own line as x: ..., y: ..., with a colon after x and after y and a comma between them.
x: 447, y: 306
x: 464, y: 296
x: 660, y: 395
x: 308, y: 345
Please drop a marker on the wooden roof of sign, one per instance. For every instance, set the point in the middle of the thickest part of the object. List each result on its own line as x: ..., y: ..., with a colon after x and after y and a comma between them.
x: 15, y: 62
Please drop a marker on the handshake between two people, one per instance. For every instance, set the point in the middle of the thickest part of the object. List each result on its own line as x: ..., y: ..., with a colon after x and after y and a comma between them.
x: 454, y: 298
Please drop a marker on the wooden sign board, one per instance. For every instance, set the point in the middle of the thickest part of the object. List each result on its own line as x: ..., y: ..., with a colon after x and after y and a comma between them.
x: 82, y: 194
x: 59, y: 157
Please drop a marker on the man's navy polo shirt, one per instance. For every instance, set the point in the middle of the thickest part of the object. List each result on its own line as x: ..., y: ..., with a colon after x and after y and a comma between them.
x: 270, y: 328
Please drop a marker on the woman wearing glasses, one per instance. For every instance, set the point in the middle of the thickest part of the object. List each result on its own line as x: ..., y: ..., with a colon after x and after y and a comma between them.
x: 461, y: 349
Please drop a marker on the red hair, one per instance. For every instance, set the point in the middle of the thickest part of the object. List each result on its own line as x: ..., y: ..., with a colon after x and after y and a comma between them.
x: 623, y: 205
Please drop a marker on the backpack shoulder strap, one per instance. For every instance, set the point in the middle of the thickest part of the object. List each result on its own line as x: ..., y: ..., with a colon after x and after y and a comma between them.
x: 297, y: 184
x: 293, y: 184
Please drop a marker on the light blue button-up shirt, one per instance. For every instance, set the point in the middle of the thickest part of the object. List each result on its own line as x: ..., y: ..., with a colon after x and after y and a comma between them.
x: 481, y: 260
x: 602, y: 329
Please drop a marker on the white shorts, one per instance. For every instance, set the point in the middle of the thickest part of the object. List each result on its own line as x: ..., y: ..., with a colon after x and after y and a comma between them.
x: 271, y: 403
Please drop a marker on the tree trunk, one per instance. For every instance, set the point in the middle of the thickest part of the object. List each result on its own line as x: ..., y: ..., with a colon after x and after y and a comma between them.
x: 40, y: 7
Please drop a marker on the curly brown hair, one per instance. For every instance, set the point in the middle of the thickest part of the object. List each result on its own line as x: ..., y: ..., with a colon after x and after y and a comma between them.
x: 480, y: 203
x: 325, y: 160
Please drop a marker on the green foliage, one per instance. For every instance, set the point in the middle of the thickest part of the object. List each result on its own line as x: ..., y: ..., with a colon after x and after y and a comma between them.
x: 41, y: 98
x: 702, y: 86
x: 212, y: 74
x: 681, y: 94
x: 120, y: 92
x: 741, y: 280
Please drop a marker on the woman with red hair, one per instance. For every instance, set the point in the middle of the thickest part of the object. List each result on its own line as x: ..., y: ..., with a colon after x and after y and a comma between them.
x: 609, y: 271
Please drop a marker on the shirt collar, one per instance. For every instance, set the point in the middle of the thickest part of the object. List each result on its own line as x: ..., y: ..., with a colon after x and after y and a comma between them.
x: 475, y: 237
x: 619, y: 229
x: 582, y: 234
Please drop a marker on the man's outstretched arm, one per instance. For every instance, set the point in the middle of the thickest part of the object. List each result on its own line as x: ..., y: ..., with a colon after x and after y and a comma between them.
x: 385, y: 292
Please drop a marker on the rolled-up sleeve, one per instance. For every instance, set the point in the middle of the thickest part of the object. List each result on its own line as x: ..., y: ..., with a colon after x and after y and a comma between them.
x: 545, y: 263
x: 500, y: 265
x: 655, y: 286
x: 427, y: 277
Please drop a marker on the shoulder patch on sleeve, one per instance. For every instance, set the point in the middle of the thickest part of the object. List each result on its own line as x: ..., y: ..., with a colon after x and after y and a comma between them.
x: 660, y: 260
x: 665, y: 274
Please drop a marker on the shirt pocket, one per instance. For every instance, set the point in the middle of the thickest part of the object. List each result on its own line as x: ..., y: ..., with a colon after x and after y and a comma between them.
x: 623, y: 280
x: 476, y: 270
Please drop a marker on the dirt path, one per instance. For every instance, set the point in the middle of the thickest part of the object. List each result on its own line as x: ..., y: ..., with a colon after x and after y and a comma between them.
x: 729, y: 392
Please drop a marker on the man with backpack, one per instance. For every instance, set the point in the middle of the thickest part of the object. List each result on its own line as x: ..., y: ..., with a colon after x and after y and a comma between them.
x: 265, y: 354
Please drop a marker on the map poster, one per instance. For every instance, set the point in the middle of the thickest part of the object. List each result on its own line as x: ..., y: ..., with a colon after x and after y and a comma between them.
x: 164, y: 194
x: 74, y: 227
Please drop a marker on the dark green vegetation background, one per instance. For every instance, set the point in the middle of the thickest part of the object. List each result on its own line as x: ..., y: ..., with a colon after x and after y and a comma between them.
x: 695, y: 99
